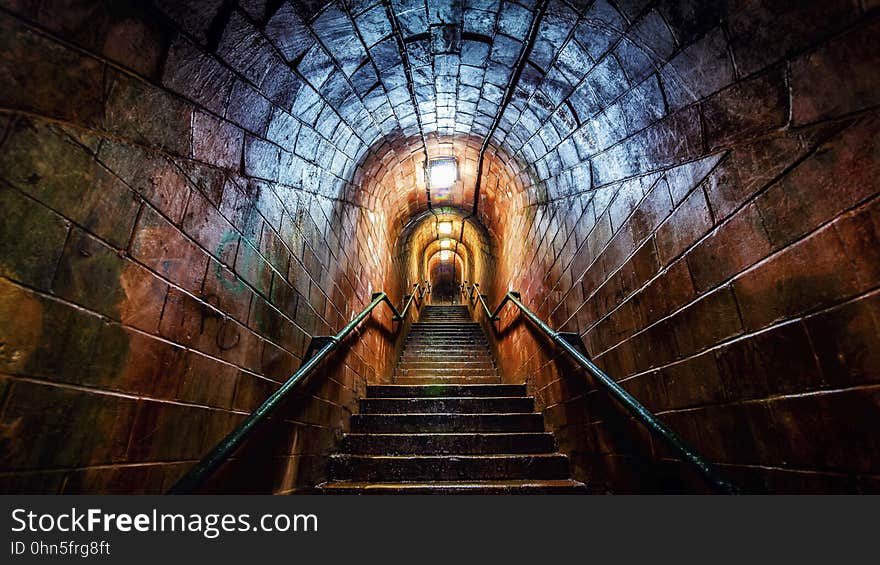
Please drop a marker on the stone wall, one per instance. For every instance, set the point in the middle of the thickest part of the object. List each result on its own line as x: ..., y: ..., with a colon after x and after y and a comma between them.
x: 172, y: 236
x: 705, y: 217
x: 192, y: 189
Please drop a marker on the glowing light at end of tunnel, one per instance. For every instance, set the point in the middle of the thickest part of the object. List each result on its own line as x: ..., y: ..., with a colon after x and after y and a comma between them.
x: 444, y: 228
x: 442, y: 172
x: 445, y: 255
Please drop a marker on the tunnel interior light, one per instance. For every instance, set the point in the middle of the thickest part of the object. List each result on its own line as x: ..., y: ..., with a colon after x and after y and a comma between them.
x: 444, y: 228
x: 445, y: 243
x: 445, y: 255
x: 442, y: 172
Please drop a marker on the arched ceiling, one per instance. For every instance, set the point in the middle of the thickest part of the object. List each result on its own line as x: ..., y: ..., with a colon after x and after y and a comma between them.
x: 419, y: 243
x: 406, y: 76
x: 375, y: 79
x: 391, y: 178
x: 449, y: 270
x: 351, y: 94
x: 458, y: 55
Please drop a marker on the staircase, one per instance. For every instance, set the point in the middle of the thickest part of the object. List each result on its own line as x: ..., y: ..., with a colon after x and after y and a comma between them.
x: 447, y: 425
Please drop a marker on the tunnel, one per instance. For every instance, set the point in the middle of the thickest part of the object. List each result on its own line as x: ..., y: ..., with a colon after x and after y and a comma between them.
x: 193, y: 191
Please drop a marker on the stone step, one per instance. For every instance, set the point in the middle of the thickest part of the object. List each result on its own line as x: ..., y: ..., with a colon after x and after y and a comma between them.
x: 441, y: 348
x: 445, y: 364
x: 463, y: 380
x: 533, y: 486
x: 446, y: 327
x: 445, y: 390
x: 456, y: 355
x: 446, y: 339
x: 448, y: 443
x: 444, y: 322
x: 426, y: 423
x: 440, y: 330
x: 465, y: 353
x: 452, y: 372
x: 462, y: 314
x: 448, y: 405
x: 469, y: 343
x: 446, y: 335
x: 448, y: 467
x: 447, y: 345
x: 417, y: 361
x: 468, y: 351
x: 432, y: 325
x: 451, y: 331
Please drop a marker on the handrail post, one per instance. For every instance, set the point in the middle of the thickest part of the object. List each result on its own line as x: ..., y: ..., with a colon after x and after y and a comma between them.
x: 316, y: 344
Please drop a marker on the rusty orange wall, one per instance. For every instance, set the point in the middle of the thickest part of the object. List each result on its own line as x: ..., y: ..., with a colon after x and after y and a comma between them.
x: 165, y: 256
x: 708, y: 225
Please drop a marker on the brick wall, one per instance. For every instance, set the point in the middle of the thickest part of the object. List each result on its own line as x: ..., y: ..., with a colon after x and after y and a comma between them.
x: 172, y: 235
x: 705, y: 217
x: 191, y: 189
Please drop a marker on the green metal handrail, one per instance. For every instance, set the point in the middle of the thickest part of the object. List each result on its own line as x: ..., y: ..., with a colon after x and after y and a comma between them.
x: 482, y: 298
x: 468, y: 292
x: 409, y: 300
x: 569, y: 342
x: 326, y: 345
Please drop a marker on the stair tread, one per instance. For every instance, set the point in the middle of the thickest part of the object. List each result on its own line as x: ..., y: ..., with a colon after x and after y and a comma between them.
x: 462, y: 414
x: 452, y: 434
x: 423, y: 398
x: 447, y: 379
x: 477, y: 486
x: 429, y: 386
x: 560, y: 482
x: 468, y: 390
x: 474, y: 456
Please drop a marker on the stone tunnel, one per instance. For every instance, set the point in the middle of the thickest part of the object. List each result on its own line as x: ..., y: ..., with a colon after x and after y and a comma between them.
x: 193, y: 190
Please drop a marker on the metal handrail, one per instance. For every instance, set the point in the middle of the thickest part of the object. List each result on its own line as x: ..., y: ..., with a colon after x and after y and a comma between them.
x: 227, y: 446
x: 409, y: 300
x: 475, y: 290
x: 569, y: 342
x: 468, y: 292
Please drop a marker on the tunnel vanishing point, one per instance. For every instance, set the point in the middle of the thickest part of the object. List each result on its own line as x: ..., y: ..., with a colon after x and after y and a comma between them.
x: 675, y: 203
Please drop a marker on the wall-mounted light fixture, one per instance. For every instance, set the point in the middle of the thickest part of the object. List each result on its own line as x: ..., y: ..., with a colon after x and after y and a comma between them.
x: 444, y: 228
x: 445, y: 244
x: 445, y: 255
x: 442, y: 172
